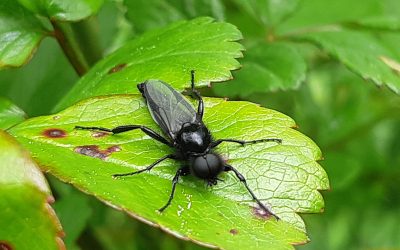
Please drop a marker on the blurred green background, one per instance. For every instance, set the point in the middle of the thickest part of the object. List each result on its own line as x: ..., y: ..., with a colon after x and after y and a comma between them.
x: 355, y: 123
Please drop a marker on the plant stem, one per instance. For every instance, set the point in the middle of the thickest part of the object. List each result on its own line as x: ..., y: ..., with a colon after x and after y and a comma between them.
x: 79, y: 42
x: 304, y: 31
x: 87, y: 35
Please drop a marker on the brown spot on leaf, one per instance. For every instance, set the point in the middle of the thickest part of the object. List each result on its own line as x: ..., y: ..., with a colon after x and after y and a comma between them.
x: 117, y: 68
x: 261, y: 213
x: 234, y: 231
x: 114, y: 148
x: 60, y: 243
x: 95, y: 151
x: 5, y: 246
x: 60, y: 233
x: 99, y: 134
x: 50, y: 199
x: 54, y: 133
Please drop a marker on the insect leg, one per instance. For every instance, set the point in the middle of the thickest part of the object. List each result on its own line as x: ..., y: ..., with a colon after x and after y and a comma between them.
x: 217, y: 142
x: 243, y: 180
x: 195, y: 92
x: 181, y: 172
x: 125, y: 128
x: 170, y: 156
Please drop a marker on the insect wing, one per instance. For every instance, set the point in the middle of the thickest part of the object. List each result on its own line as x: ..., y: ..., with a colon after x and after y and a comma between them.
x: 169, y: 109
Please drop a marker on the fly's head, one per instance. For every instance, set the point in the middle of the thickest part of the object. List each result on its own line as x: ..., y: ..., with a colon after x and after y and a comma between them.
x: 194, y: 138
x: 207, y: 166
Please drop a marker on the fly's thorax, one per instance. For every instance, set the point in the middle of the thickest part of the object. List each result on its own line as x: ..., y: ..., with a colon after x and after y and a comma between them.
x: 194, y: 137
x: 207, y: 166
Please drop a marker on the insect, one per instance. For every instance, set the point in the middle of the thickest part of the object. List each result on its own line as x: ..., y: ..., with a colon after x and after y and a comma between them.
x: 187, y: 134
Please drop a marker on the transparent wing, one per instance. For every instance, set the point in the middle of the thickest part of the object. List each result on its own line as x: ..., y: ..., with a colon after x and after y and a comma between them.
x: 169, y: 109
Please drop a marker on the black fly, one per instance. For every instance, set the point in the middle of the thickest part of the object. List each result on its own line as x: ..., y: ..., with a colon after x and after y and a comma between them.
x: 187, y: 134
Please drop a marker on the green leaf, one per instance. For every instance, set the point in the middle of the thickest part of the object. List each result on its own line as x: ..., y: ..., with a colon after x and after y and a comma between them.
x: 361, y: 53
x: 34, y: 88
x: 20, y: 34
x: 286, y: 176
x: 390, y: 41
x: 213, y: 8
x: 380, y: 22
x: 314, y: 13
x: 10, y: 114
x: 268, y: 12
x: 73, y: 222
x: 61, y: 10
x: 266, y: 67
x: 168, y: 54
x: 149, y: 14
x: 26, y: 220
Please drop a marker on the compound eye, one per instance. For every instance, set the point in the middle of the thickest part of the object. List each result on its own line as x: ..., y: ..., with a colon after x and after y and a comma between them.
x: 200, y: 168
x: 213, y: 162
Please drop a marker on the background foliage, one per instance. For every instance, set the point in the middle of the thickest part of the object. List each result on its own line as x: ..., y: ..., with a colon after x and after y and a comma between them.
x: 317, y: 61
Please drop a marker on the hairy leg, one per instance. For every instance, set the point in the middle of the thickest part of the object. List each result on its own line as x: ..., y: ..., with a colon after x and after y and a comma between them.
x: 217, y: 142
x: 243, y: 180
x: 196, y: 94
x: 181, y: 172
x: 125, y: 128
x: 170, y: 156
